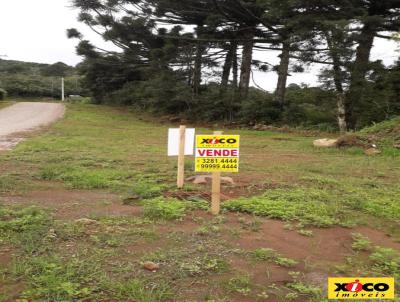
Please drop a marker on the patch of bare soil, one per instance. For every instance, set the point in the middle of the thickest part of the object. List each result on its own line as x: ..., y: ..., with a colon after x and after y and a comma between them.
x: 75, y: 204
x: 377, y: 237
x: 325, y: 247
x: 6, y: 254
x: 283, y: 139
x: 10, y: 291
x: 243, y: 187
x: 246, y: 188
x: 316, y: 255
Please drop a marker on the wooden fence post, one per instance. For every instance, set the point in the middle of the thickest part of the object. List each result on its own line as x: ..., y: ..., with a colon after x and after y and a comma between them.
x: 216, y: 189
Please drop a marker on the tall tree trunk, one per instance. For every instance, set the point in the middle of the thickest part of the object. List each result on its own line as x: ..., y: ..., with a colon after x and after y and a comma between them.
x: 189, y: 68
x: 197, y: 68
x: 341, y: 112
x: 283, y: 73
x: 338, y: 80
x: 247, y: 57
x: 358, y: 73
x: 198, y: 63
x: 226, y: 71
x: 235, y: 68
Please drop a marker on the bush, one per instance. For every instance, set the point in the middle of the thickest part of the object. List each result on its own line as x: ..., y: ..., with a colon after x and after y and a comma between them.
x: 3, y: 94
x: 163, y: 93
x: 259, y: 108
x: 21, y: 85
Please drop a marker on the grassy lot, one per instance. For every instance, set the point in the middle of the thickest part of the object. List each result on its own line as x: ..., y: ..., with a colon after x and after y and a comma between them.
x: 87, y: 202
x: 4, y: 104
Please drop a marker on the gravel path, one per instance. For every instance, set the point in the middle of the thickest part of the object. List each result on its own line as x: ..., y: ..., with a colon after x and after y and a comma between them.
x: 24, y: 117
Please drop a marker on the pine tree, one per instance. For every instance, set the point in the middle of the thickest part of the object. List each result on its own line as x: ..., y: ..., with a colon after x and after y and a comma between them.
x: 377, y: 17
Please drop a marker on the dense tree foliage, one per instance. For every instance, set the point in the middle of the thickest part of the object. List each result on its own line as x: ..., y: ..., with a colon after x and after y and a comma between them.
x: 196, y: 58
x: 26, y: 79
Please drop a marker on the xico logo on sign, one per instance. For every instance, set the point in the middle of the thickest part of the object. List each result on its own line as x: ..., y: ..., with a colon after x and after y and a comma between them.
x: 361, y: 288
x: 217, y: 141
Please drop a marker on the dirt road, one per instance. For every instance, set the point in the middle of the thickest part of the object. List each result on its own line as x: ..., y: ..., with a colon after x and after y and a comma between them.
x: 23, y: 117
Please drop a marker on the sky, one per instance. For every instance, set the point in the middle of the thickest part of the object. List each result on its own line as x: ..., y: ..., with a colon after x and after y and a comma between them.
x: 35, y: 31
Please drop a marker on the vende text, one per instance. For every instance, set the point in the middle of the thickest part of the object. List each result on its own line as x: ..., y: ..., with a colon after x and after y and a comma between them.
x: 217, y: 153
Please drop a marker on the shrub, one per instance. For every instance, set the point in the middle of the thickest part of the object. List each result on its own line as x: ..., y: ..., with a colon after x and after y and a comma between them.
x: 164, y: 93
x: 3, y: 94
x: 259, y: 108
x: 38, y: 86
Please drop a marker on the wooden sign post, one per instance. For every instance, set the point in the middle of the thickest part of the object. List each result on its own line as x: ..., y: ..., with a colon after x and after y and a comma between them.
x: 216, y: 188
x: 181, y: 157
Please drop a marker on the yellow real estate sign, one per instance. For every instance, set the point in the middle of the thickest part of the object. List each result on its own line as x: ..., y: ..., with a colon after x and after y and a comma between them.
x: 217, y: 153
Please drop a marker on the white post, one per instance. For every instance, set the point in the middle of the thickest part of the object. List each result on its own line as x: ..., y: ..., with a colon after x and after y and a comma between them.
x: 62, y: 90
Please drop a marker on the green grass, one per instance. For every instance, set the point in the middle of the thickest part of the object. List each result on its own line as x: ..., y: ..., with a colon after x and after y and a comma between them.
x: 386, y: 133
x: 146, y: 190
x: 321, y: 206
x: 4, y: 104
x: 240, y: 285
x: 268, y: 254
x: 52, y: 274
x: 263, y: 254
x: 7, y: 183
x: 380, y: 262
x: 164, y: 209
x: 85, y: 178
x: 97, y: 148
x: 385, y: 126
x: 62, y: 260
x: 137, y: 291
x: 114, y: 150
x: 288, y: 205
x: 305, y: 289
x: 286, y: 262
x: 26, y: 228
x: 200, y: 266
